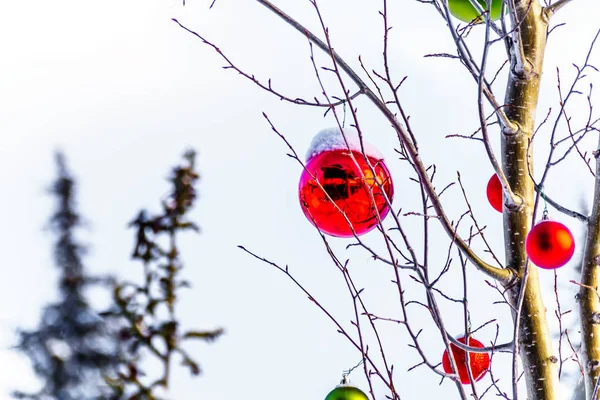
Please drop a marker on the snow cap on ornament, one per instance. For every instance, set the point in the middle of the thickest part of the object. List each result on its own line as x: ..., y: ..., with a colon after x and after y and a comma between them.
x: 331, y: 139
x: 340, y: 192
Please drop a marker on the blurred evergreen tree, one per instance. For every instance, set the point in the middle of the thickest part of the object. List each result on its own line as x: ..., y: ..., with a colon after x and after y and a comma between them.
x: 73, y: 348
x: 81, y: 354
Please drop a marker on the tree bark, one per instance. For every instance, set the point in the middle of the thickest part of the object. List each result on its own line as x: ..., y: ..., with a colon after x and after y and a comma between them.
x: 588, y: 296
x: 527, y: 53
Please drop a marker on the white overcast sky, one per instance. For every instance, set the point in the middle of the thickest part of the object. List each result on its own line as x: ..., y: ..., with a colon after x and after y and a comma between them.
x: 123, y: 91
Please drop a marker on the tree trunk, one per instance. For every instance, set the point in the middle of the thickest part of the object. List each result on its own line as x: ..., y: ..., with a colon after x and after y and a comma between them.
x: 588, y: 296
x: 535, y: 345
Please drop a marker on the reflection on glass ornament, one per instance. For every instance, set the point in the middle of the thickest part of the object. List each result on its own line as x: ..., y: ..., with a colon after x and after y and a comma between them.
x: 346, y: 391
x: 479, y: 362
x: 494, y: 192
x: 550, y: 244
x: 338, y: 190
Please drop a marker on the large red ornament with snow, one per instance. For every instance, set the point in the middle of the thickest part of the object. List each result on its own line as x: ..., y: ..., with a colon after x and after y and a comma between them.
x: 338, y: 190
x: 479, y: 362
x: 550, y: 244
x: 494, y: 193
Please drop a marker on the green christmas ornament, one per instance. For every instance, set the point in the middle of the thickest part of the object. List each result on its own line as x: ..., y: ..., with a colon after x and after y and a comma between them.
x: 346, y: 391
x: 464, y: 10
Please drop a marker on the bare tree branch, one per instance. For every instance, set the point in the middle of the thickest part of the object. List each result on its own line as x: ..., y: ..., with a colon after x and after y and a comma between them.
x: 553, y: 8
x: 503, y: 275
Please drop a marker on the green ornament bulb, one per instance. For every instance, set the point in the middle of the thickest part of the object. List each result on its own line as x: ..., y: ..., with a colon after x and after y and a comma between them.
x: 346, y: 392
x: 464, y: 10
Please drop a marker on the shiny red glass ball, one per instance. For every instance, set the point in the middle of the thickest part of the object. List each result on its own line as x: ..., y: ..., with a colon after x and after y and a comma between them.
x: 550, y: 244
x: 494, y: 193
x: 479, y: 362
x: 347, y: 183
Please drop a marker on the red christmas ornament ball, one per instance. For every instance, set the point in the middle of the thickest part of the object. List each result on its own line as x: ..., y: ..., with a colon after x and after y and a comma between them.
x: 479, y: 362
x: 494, y: 193
x: 550, y: 244
x: 346, y: 185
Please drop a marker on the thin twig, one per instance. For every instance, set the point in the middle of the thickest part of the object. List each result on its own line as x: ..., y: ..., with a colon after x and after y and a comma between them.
x: 503, y: 275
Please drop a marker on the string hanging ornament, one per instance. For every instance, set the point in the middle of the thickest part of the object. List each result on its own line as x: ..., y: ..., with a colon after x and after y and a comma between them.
x: 549, y: 244
x: 346, y: 390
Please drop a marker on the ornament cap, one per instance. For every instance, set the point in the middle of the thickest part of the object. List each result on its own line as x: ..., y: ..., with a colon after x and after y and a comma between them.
x: 344, y: 381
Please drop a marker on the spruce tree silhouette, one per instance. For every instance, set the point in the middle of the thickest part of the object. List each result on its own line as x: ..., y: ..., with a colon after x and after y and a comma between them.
x: 73, y: 348
x: 82, y: 354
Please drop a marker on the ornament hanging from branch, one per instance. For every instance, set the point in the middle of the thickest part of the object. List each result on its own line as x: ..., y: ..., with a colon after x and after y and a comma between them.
x: 464, y: 10
x: 494, y: 193
x: 479, y: 362
x: 550, y: 244
x: 346, y: 391
x: 341, y: 191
